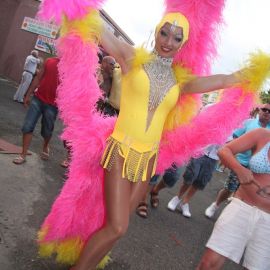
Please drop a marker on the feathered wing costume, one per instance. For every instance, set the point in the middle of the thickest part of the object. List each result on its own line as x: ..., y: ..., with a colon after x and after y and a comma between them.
x: 214, y: 124
x: 79, y: 209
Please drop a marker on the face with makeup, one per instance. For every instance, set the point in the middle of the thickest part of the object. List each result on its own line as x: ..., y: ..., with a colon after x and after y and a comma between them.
x: 169, y: 39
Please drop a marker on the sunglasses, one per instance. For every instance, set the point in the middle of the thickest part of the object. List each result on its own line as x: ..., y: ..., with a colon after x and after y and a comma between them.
x: 265, y: 110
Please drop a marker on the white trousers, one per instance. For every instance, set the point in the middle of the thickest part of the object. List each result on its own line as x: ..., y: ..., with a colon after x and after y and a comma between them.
x: 23, y: 87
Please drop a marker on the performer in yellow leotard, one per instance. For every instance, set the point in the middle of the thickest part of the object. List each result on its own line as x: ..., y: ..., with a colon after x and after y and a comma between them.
x: 147, y: 109
x: 92, y: 211
x: 150, y: 90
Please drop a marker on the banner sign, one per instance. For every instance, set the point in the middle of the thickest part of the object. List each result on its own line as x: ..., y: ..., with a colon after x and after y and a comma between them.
x: 46, y: 44
x: 40, y: 27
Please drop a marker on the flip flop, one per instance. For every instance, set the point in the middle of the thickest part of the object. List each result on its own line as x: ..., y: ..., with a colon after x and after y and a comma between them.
x: 154, y: 201
x: 142, y: 210
x: 19, y: 160
x: 44, y: 155
x: 64, y: 164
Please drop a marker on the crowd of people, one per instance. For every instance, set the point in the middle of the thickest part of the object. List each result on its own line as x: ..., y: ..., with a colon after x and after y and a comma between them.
x: 141, y: 98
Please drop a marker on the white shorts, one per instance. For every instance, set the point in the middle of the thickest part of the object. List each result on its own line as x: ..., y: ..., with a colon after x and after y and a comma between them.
x: 240, y: 229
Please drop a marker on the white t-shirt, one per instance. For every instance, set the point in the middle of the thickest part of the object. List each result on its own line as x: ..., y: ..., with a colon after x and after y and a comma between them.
x: 31, y: 63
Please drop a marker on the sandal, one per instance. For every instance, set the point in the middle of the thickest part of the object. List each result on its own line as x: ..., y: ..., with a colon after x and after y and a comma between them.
x: 19, y: 160
x: 64, y: 163
x: 154, y: 201
x: 142, y: 210
x: 44, y: 155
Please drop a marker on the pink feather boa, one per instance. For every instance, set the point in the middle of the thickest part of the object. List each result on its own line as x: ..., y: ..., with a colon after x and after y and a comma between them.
x: 80, y: 205
x: 212, y: 126
x: 53, y: 10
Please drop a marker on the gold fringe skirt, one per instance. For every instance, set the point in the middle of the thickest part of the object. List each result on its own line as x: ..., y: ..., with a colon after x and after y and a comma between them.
x: 135, y: 164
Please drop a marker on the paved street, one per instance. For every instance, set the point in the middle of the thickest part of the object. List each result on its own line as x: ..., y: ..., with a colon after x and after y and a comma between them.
x: 165, y: 241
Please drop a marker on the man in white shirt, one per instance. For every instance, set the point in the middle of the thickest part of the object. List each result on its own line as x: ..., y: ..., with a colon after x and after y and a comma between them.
x: 29, y: 70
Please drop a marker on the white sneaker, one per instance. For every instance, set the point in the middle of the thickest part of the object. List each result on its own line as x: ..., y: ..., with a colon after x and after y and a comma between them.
x: 185, y: 210
x: 173, y: 203
x: 211, y: 210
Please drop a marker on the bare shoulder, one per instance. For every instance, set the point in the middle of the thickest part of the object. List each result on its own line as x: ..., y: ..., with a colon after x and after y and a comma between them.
x: 265, y: 133
x: 262, y: 132
x: 261, y: 135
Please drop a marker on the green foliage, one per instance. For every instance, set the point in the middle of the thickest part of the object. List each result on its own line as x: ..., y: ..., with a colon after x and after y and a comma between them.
x: 265, y: 97
x: 51, y: 49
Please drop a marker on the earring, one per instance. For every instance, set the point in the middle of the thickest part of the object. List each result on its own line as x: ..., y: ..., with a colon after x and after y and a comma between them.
x: 153, y: 44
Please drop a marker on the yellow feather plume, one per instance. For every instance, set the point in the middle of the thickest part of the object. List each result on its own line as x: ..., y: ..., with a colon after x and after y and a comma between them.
x: 104, y: 262
x: 66, y: 251
x: 142, y: 56
x: 69, y: 251
x: 255, y: 72
x: 89, y: 27
x: 182, y: 74
x: 187, y: 106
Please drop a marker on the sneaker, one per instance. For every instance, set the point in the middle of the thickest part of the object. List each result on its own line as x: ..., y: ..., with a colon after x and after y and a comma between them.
x: 185, y: 210
x: 211, y: 210
x: 219, y: 169
x: 173, y: 203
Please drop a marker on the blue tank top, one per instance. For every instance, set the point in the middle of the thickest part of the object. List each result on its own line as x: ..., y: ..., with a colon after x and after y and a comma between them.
x: 259, y: 163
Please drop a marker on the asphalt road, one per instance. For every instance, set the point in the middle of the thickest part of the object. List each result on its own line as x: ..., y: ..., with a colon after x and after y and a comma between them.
x: 165, y: 240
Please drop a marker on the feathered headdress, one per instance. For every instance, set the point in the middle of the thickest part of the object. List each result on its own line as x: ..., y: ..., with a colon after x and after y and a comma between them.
x: 205, y: 19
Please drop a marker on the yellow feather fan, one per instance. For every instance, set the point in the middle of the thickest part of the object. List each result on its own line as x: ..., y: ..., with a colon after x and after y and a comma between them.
x: 89, y: 27
x: 255, y: 71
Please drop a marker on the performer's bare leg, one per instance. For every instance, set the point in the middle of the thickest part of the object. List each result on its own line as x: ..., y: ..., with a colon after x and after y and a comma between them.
x: 121, y: 196
x: 117, y: 192
x: 145, y: 196
x: 158, y: 187
x: 140, y: 189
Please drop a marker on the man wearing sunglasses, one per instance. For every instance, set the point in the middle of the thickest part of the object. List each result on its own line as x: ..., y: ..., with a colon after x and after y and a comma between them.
x: 106, y: 76
x: 232, y: 183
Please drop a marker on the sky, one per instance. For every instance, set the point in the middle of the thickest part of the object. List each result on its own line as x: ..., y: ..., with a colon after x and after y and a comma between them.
x: 246, y: 29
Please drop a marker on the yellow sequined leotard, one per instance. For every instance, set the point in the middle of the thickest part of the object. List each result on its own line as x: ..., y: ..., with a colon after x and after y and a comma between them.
x: 144, y: 107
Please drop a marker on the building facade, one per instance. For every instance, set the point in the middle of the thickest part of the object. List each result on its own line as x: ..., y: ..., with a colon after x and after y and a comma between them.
x: 16, y: 43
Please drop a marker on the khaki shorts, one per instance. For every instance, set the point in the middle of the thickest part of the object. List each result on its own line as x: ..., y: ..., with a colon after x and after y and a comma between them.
x: 243, y: 230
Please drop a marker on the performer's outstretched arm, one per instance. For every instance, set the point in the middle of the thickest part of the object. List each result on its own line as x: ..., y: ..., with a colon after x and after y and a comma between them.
x: 210, y: 83
x: 120, y: 50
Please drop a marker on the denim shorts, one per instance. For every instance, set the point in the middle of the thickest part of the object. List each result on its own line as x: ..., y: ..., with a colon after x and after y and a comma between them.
x: 170, y: 177
x: 199, y: 171
x: 36, y: 109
